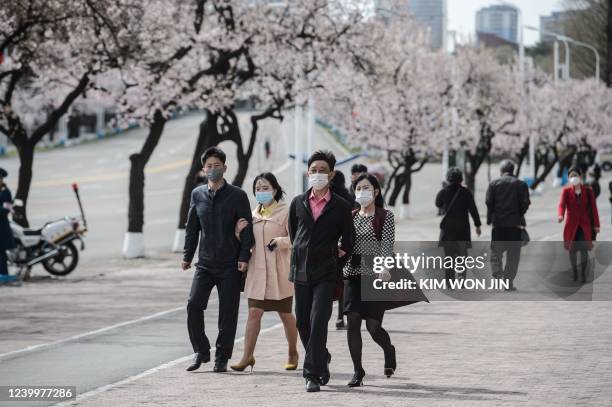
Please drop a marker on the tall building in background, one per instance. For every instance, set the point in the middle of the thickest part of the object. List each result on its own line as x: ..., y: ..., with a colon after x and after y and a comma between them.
x: 554, y: 23
x: 501, y: 20
x: 432, y: 13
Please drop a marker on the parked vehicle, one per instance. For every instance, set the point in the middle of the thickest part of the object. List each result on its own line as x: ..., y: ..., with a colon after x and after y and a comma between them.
x: 53, y: 245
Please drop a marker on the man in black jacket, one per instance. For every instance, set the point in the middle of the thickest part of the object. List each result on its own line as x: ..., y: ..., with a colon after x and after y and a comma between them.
x: 507, y: 202
x: 318, y: 219
x: 215, y: 208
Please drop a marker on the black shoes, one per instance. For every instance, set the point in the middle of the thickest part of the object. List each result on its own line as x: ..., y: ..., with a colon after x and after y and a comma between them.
x: 390, y: 362
x: 357, y: 379
x: 312, y: 386
x: 326, y: 374
x: 198, y: 359
x: 340, y: 324
x: 220, y: 366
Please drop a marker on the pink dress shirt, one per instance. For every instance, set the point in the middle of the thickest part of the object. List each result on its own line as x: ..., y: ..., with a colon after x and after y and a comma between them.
x: 317, y: 205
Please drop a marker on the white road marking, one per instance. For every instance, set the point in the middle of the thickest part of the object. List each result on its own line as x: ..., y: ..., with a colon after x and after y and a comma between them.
x: 91, y: 333
x: 146, y: 373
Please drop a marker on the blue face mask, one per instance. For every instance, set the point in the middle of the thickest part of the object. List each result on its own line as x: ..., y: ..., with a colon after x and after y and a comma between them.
x: 264, y: 197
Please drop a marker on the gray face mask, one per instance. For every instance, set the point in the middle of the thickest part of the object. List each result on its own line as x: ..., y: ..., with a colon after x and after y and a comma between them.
x: 214, y: 174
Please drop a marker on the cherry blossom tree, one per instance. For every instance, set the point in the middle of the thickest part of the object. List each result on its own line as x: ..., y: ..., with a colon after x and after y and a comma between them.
x: 55, y: 50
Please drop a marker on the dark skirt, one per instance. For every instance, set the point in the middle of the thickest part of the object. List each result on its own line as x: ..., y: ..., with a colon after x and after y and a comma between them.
x: 285, y: 305
x: 352, y: 301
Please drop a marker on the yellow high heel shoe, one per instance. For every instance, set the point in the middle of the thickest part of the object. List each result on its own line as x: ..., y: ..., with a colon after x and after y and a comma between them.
x: 240, y: 367
x: 292, y: 364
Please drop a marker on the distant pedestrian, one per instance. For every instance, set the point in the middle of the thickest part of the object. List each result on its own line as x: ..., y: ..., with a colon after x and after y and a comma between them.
x: 356, y: 171
x: 214, y: 210
x: 507, y: 202
x: 267, y: 283
x: 578, y: 207
x: 7, y: 242
x: 456, y: 202
x: 338, y: 186
x: 595, y: 175
x: 318, y: 220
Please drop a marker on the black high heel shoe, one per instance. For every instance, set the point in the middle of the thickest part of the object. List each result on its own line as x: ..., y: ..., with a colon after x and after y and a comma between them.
x: 357, y: 379
x: 390, y: 362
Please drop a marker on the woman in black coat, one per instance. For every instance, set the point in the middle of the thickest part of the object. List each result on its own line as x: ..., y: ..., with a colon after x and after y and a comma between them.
x: 456, y: 202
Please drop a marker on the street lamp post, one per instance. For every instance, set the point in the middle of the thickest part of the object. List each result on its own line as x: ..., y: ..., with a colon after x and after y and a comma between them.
x: 567, y: 39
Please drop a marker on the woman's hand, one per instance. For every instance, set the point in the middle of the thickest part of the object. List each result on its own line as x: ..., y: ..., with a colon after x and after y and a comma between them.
x: 240, y: 225
x: 596, y: 230
x: 560, y: 219
x: 385, y: 275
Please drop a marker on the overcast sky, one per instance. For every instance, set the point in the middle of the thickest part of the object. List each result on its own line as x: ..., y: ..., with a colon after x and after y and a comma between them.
x: 462, y: 15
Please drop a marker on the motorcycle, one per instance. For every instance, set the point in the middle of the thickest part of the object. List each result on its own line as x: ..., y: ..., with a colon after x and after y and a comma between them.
x: 53, y: 245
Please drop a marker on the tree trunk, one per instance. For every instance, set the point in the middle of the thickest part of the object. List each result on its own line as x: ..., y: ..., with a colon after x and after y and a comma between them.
x: 26, y: 160
x: 137, y: 176
x: 208, y: 136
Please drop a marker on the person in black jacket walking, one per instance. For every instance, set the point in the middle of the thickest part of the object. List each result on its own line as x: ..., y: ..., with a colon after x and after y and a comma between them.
x: 455, y: 202
x: 507, y: 202
x: 318, y: 219
x: 214, y: 210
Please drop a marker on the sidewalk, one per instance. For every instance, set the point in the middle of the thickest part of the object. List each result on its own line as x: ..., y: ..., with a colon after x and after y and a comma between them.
x: 449, y: 354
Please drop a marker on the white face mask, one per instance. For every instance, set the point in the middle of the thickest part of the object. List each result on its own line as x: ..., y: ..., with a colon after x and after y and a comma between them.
x: 575, y: 181
x: 318, y: 181
x: 364, y: 197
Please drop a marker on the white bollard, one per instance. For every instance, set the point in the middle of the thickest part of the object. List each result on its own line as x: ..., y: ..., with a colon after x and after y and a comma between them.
x: 133, y: 245
x: 179, y: 241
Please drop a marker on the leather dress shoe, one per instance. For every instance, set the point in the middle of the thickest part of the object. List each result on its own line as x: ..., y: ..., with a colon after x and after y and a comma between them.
x: 312, y: 386
x: 220, y: 366
x: 198, y: 359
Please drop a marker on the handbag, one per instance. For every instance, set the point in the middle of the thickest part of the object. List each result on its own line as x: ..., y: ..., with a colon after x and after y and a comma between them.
x: 243, y: 277
x: 524, y: 237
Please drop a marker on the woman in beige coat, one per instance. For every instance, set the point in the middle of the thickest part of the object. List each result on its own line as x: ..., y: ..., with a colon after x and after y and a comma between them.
x: 267, y: 283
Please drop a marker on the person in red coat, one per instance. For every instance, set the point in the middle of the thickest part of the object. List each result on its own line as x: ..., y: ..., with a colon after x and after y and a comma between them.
x: 579, y: 209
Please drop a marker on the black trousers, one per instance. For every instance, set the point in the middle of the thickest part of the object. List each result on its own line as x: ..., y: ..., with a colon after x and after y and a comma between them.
x: 228, y: 289
x: 313, y: 309
x: 454, y: 249
x: 508, y: 240
x: 3, y: 262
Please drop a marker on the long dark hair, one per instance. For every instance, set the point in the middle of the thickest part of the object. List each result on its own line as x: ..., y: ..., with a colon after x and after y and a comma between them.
x: 379, y: 201
x: 268, y: 176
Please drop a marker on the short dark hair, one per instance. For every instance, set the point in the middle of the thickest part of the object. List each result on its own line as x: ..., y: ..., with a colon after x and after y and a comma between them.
x: 574, y: 169
x: 268, y: 176
x: 454, y: 175
x: 358, y: 168
x: 212, y: 152
x: 379, y: 201
x: 507, y: 167
x: 323, y: 155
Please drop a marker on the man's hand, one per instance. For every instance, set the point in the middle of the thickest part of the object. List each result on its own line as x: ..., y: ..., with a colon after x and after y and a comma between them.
x: 478, y: 231
x: 560, y: 219
x: 242, y: 266
x: 241, y: 224
x: 185, y: 265
x: 341, y: 253
x: 385, y: 275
